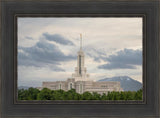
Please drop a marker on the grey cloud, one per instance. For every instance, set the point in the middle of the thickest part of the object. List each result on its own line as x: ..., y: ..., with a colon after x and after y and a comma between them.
x: 57, y: 38
x: 43, y: 54
x: 111, y: 66
x: 95, y: 58
x: 124, y: 59
x: 97, y: 55
x: 27, y: 37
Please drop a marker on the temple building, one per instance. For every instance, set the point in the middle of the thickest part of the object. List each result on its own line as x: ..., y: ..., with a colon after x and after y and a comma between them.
x: 80, y: 80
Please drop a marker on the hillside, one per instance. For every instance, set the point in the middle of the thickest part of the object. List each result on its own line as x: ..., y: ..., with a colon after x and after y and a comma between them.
x: 127, y: 83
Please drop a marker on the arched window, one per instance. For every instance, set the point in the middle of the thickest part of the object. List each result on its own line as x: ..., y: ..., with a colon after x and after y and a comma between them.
x: 80, y: 64
x: 60, y: 86
x: 70, y: 85
x: 81, y: 88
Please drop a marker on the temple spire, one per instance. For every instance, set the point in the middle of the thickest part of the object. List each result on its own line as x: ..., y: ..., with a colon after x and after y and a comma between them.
x: 80, y: 41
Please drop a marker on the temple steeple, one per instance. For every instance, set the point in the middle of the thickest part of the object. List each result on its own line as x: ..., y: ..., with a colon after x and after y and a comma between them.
x: 80, y: 70
x: 80, y: 41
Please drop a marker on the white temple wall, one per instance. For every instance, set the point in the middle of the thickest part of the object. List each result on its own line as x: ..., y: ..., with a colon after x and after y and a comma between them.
x: 83, y: 86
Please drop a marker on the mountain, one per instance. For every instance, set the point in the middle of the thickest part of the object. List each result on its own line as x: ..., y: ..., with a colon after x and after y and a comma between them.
x: 127, y: 83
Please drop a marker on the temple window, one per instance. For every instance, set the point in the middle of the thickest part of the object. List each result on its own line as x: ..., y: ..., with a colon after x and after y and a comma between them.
x: 80, y: 88
x: 60, y: 87
x: 70, y: 85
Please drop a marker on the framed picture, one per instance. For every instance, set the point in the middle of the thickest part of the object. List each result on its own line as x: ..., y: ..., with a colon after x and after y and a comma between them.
x: 52, y: 52
x: 80, y: 59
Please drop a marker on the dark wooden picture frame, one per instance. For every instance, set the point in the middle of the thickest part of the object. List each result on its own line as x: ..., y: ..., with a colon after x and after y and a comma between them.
x: 16, y: 101
x: 149, y: 107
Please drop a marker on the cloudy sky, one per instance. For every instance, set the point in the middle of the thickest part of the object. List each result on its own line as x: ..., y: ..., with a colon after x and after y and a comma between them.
x: 47, y: 48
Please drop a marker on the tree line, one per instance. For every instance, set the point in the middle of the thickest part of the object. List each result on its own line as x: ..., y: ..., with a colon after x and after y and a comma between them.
x: 47, y: 94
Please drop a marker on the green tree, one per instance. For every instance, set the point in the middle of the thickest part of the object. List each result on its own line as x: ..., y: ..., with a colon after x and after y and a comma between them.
x: 104, y: 97
x: 44, y: 94
x: 47, y: 94
x: 57, y: 95
x: 32, y: 93
x: 122, y: 96
x: 87, y: 96
x: 138, y: 95
x: 116, y: 96
x: 96, y: 96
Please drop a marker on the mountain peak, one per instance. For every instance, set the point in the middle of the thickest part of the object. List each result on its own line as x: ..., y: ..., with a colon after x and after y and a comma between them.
x: 127, y: 83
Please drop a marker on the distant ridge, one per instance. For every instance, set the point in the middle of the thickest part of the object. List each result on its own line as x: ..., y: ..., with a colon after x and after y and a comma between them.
x: 127, y: 83
x: 23, y: 87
